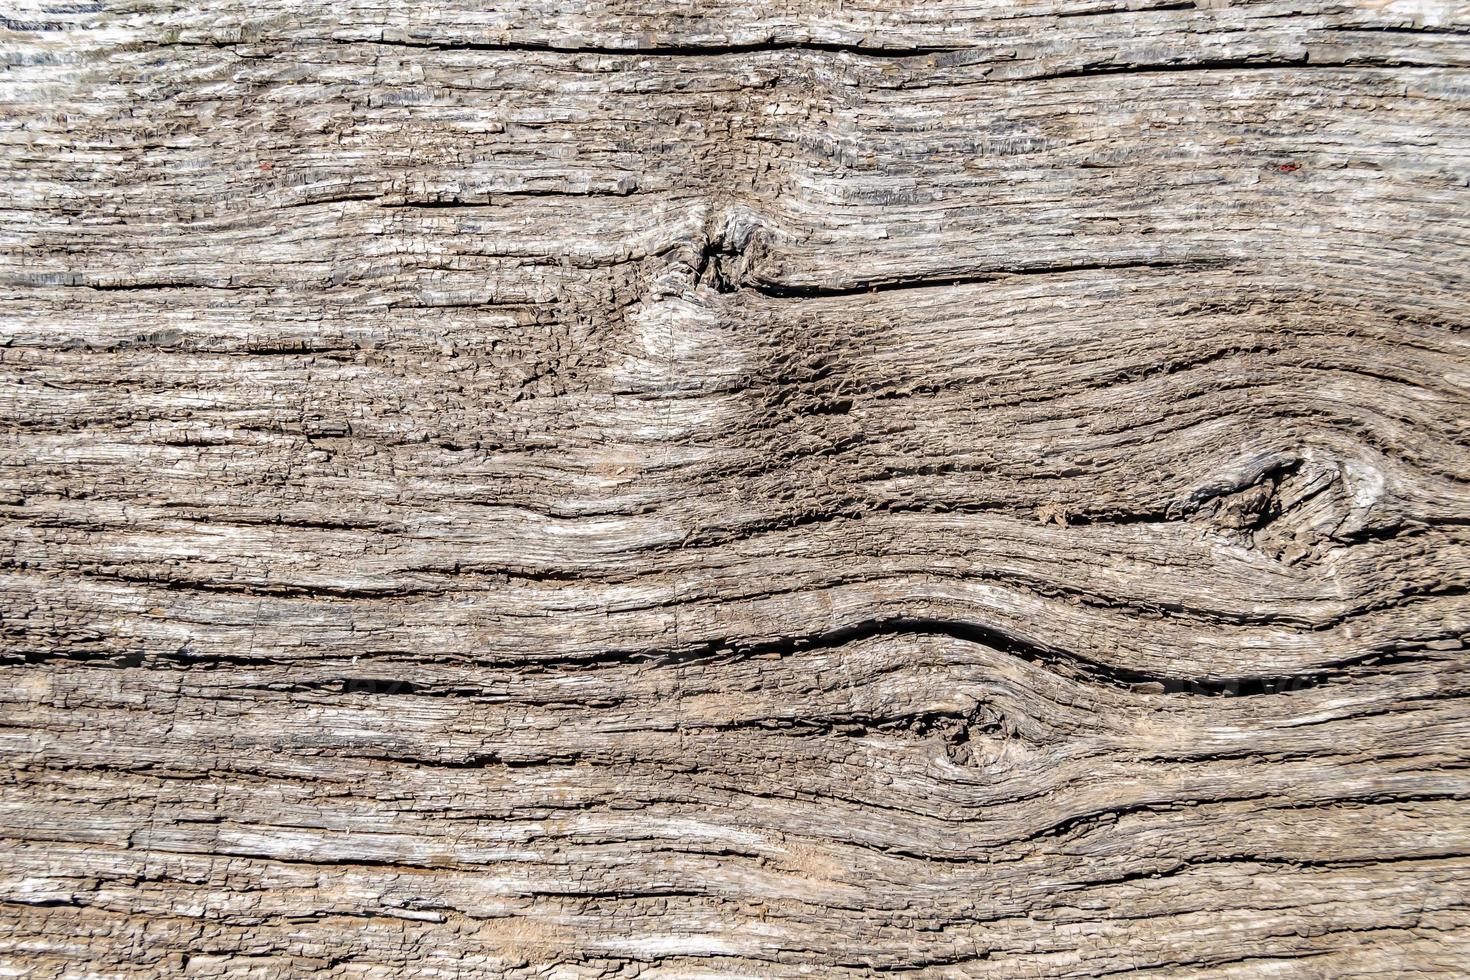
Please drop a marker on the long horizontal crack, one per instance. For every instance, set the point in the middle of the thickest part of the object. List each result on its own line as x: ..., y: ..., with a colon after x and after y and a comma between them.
x: 769, y: 45
x: 772, y: 45
x: 1235, y: 64
x: 1070, y: 663
x: 801, y: 291
x: 1062, y: 662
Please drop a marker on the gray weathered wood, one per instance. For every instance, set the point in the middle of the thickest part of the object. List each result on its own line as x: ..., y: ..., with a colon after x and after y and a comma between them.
x: 788, y: 489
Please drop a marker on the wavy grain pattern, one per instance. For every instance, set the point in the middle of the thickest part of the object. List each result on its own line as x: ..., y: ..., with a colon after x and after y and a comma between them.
x: 801, y: 489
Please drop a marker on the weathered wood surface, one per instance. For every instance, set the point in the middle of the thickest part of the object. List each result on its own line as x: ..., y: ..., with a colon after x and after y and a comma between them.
x: 802, y: 488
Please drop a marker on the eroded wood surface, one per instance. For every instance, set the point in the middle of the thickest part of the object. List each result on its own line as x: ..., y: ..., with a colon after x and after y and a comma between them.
x: 795, y: 489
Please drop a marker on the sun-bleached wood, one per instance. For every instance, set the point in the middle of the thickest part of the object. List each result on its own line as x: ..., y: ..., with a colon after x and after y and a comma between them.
x: 788, y: 489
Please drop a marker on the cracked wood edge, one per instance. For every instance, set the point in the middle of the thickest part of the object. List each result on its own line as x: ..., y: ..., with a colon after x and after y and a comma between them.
x: 968, y: 490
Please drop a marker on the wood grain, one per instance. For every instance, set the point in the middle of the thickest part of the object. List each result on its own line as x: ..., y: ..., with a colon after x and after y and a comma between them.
x: 960, y: 489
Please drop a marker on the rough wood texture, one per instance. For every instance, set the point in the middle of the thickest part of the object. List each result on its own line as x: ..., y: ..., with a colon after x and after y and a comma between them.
x: 970, y: 489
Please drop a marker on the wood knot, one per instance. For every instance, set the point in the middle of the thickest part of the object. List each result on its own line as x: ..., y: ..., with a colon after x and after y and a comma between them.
x: 729, y: 253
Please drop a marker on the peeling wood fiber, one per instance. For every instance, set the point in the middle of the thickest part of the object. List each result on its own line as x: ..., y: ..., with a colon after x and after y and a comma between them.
x: 805, y: 488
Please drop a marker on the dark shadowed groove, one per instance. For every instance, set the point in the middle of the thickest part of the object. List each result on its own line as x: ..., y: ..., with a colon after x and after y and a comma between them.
x: 1420, y: 30
x: 795, y: 291
x: 1074, y: 665
x: 1304, y: 63
x: 768, y: 46
x: 1116, y: 11
x: 1056, y: 660
x: 855, y: 49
